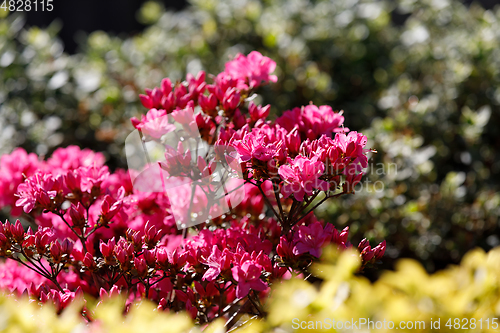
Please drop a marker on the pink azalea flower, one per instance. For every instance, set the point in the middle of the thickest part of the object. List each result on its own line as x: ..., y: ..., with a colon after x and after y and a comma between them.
x: 222, y: 83
x: 310, y: 239
x: 321, y: 120
x: 97, y: 225
x: 260, y: 145
x: 154, y: 124
x: 72, y: 157
x: 254, y: 69
x: 38, y: 188
x: 217, y: 261
x: 92, y: 177
x: 352, y: 146
x: 302, y: 177
x: 13, y: 168
x: 248, y: 277
x: 312, y: 121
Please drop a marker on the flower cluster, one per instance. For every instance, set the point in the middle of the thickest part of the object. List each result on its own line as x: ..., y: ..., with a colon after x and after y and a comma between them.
x: 88, y: 230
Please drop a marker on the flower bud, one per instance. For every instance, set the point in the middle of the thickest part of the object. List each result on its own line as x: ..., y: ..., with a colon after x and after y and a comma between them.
x: 208, y: 104
x: 379, y: 250
x: 88, y: 261
x: 77, y: 215
x: 150, y: 257
x: 146, y: 101
x: 55, y: 252
x: 231, y: 100
x: 166, y: 86
x: 17, y: 232
x: 364, y: 243
x: 343, y: 235
x: 67, y: 246
x: 162, y: 256
x: 367, y: 253
x: 141, y: 267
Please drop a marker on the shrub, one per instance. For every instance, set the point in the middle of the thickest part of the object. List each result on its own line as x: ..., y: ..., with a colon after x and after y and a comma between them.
x: 425, y: 93
x: 99, y: 233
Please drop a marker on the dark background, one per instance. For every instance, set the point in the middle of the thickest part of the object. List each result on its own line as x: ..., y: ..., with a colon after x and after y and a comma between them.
x: 114, y: 16
x: 119, y: 16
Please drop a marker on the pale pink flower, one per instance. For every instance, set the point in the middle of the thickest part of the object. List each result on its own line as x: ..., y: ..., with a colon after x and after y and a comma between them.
x: 155, y: 124
x: 254, y: 69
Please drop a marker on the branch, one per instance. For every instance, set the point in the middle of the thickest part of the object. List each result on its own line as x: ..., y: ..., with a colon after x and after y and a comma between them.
x: 315, y: 206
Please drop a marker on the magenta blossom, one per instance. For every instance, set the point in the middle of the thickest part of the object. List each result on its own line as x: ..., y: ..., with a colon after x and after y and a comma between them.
x: 97, y: 233
x: 248, y: 277
x: 154, y: 124
x: 13, y: 169
x: 302, y: 177
x: 260, y: 146
x: 254, y: 69
x: 39, y: 188
x: 72, y: 157
x: 92, y: 177
x: 310, y: 239
x: 217, y: 261
x: 312, y: 121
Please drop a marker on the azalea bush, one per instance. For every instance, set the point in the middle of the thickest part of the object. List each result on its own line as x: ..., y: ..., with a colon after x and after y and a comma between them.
x: 423, y: 91
x: 95, y: 232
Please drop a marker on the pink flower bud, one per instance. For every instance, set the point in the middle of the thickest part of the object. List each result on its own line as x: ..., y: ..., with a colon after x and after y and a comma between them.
x: 166, y: 86
x: 121, y: 256
x: 146, y: 101
x: 231, y: 100
x: 155, y: 97
x: 4, y: 243
x: 367, y: 253
x: 107, y: 249
x: 344, y: 234
x: 88, y: 261
x: 162, y: 256
x: 150, y: 257
x: 141, y: 267
x: 67, y: 246
x: 258, y: 112
x: 168, y: 102
x: 364, y: 243
x: 179, y: 91
x: 379, y: 250
x: 17, y: 231
x: 135, y: 122
x: 77, y: 215
x: 208, y: 103
x: 239, y: 119
x: 55, y: 251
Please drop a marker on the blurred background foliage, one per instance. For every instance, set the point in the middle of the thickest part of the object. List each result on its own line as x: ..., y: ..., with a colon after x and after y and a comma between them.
x: 426, y: 92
